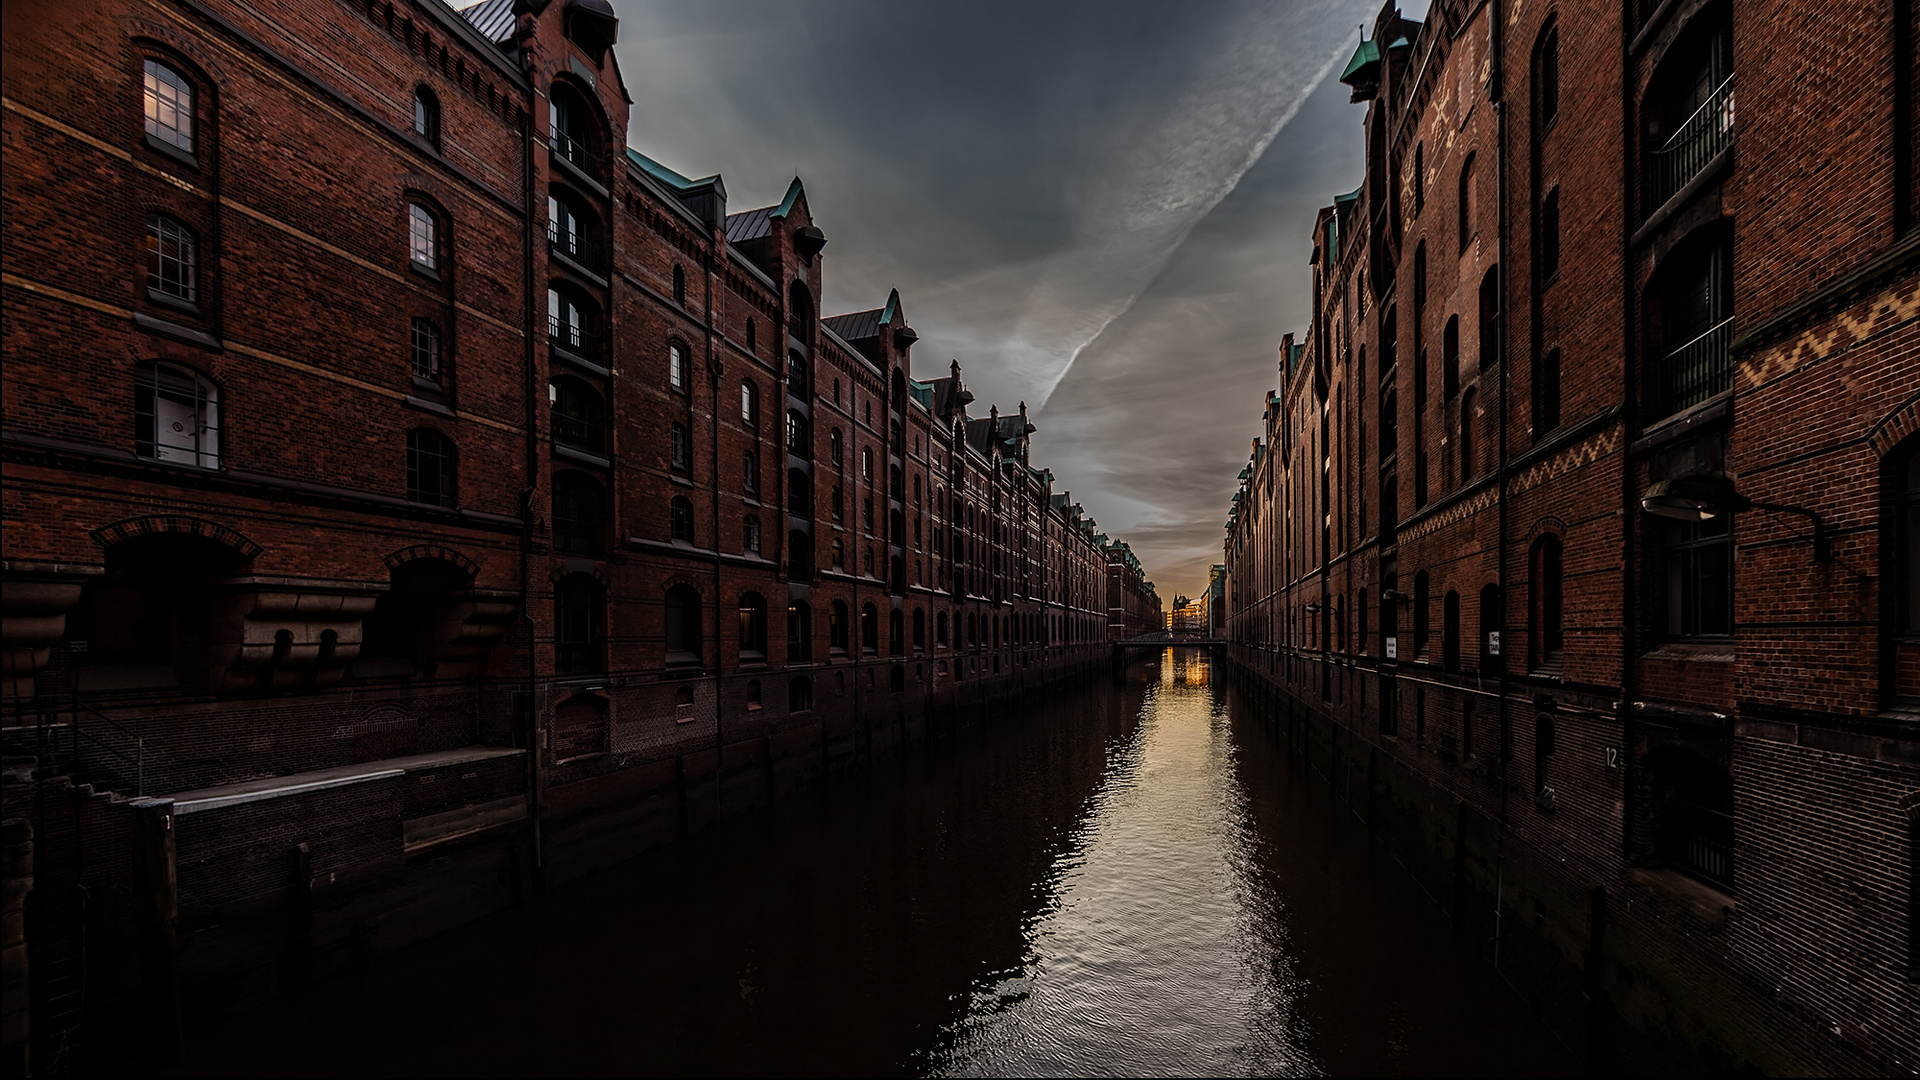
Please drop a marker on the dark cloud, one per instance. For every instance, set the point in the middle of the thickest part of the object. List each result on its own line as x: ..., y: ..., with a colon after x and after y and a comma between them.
x: 1083, y: 196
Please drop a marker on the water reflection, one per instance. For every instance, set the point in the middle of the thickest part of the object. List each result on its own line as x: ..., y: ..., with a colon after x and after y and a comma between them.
x: 1130, y: 879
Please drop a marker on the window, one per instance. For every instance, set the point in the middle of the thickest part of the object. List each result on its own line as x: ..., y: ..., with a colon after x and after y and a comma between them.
x: 423, y: 237
x: 426, y: 115
x: 579, y: 513
x: 1546, y: 640
x: 750, y: 472
x: 1450, y: 359
x: 940, y: 629
x: 800, y: 694
x: 1696, y: 307
x: 172, y: 259
x: 680, y: 447
x: 896, y: 633
x: 839, y: 505
x: 752, y: 345
x: 683, y: 625
x: 1467, y: 460
x: 570, y: 322
x: 839, y: 555
x: 749, y: 404
x: 177, y: 416
x: 799, y: 556
x: 676, y: 366
x: 680, y: 519
x: 753, y: 626
x: 426, y: 350
x: 1490, y: 319
x: 1493, y: 620
x: 679, y: 285
x: 1546, y: 394
x: 572, y: 129
x: 1419, y: 178
x: 799, y: 632
x: 169, y: 107
x: 750, y: 534
x: 1550, y: 237
x: 1693, y: 811
x: 837, y: 627
x: 1543, y: 740
x: 869, y: 629
x: 1690, y: 108
x: 919, y: 628
x: 866, y: 463
x: 570, y: 230
x: 1700, y: 578
x: 1465, y: 222
x: 797, y: 378
x: 835, y: 450
x: 1906, y: 532
x: 1450, y: 631
x: 1546, y: 79
x: 1421, y: 613
x: 430, y: 468
x: 577, y: 416
x: 577, y: 626
x: 798, y: 443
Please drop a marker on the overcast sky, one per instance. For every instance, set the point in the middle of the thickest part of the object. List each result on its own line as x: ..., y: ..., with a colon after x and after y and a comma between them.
x: 1099, y: 208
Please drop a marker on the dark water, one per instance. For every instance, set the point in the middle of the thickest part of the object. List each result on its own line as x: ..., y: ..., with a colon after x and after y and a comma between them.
x: 1124, y: 880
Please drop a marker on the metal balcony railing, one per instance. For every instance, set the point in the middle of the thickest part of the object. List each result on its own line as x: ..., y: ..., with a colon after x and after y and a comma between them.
x: 1708, y: 839
x: 1707, y: 132
x: 577, y: 340
x: 575, y: 245
x: 578, y: 154
x: 1699, y: 369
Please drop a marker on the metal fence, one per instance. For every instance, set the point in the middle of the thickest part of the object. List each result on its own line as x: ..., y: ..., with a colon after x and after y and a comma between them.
x: 1707, y: 132
x: 1700, y: 368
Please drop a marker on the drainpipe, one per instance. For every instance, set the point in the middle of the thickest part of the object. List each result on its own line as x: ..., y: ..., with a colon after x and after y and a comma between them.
x: 531, y: 319
x: 717, y: 378
x: 1496, y: 91
x: 1629, y: 425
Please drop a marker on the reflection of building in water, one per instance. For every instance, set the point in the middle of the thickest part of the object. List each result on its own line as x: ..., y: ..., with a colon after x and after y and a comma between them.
x: 1187, y: 667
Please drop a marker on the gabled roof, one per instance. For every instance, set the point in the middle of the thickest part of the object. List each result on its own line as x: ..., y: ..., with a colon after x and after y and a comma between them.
x: 1368, y: 54
x: 493, y: 18
x: 749, y: 225
x: 921, y: 392
x: 857, y: 325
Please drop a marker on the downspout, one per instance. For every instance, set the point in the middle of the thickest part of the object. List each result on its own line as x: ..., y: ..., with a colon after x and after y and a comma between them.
x: 531, y: 317
x: 1629, y: 424
x: 717, y: 378
x: 1496, y: 87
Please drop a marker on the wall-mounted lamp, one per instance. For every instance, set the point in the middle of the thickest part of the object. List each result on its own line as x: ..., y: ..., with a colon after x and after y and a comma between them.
x: 1703, y: 498
x: 1313, y: 608
x: 1395, y: 596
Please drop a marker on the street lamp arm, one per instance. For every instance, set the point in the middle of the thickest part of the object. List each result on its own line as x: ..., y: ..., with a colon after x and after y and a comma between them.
x: 1822, y: 544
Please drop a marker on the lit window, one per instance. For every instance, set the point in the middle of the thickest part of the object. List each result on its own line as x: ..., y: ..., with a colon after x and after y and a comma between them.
x: 169, y: 101
x: 172, y: 259
x: 426, y: 115
x: 749, y: 404
x: 178, y: 416
x: 426, y: 350
x: 422, y: 245
x: 676, y: 366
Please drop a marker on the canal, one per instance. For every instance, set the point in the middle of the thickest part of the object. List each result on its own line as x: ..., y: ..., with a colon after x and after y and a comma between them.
x: 1124, y: 879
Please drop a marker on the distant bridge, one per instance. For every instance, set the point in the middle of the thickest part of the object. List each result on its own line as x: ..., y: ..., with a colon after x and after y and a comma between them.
x: 1168, y: 639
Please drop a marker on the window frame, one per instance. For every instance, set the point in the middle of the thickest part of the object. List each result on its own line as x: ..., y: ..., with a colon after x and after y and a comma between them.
x: 446, y: 495
x: 200, y: 395
x: 183, y: 287
x: 154, y: 107
x: 424, y: 238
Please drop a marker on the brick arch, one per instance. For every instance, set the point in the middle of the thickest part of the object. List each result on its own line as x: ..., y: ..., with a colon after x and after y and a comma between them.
x: 133, y: 528
x: 1895, y: 427
x: 443, y: 198
x: 562, y: 572
x: 140, y: 31
x: 431, y: 551
x: 1544, y: 526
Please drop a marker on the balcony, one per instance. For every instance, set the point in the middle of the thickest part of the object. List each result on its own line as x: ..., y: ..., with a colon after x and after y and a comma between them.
x: 1692, y: 148
x: 575, y: 245
x: 575, y: 153
x: 1699, y: 369
x: 576, y: 339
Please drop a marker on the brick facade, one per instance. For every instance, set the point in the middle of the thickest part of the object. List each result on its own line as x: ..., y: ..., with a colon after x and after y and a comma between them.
x: 1671, y: 770
x: 399, y: 467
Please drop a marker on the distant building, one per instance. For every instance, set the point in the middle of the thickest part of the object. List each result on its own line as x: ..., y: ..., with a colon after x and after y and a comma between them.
x: 1584, y: 513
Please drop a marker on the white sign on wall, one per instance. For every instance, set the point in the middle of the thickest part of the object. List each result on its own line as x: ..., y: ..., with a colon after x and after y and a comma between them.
x: 1393, y: 648
x: 1493, y: 643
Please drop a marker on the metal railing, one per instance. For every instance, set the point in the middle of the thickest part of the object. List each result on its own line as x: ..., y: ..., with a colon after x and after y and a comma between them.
x: 1708, y: 843
x: 1700, y: 139
x: 577, y: 153
x: 1699, y: 369
x: 575, y: 245
x: 577, y: 340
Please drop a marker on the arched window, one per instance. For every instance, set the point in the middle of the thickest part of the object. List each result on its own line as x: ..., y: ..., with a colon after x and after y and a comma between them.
x: 799, y: 556
x: 1543, y: 740
x: 752, y: 344
x: 1905, y: 471
x: 800, y: 317
x: 1545, y: 636
x: 1490, y: 319
x: 684, y: 645
x: 919, y: 628
x: 570, y: 321
x: 579, y: 513
x: 839, y: 549
x: 426, y: 350
x: 797, y: 375
x: 750, y: 472
x: 426, y: 115
x: 1546, y: 395
x: 1450, y: 359
x: 169, y: 107
x: 799, y: 632
x: 1419, y: 178
x: 1696, y: 312
x: 173, y: 260
x: 800, y: 694
x: 677, y: 366
x: 1549, y: 238
x: 753, y: 626
x: 423, y: 237
x: 1467, y: 459
x: 577, y: 415
x: 1450, y: 631
x: 1360, y: 611
x: 1421, y: 614
x: 1689, y: 106
x: 916, y: 495
x: 799, y: 494
x: 176, y: 416
x: 680, y: 519
x: 869, y: 629
x: 1546, y: 78
x: 679, y: 285
x: 836, y: 450
x: 430, y: 468
x: 749, y: 404
x: 572, y: 127
x: 750, y: 534
x: 1465, y: 222
x: 837, y: 627
x: 940, y: 629
x: 866, y: 463
x: 798, y: 443
x: 896, y: 633
x: 578, y: 626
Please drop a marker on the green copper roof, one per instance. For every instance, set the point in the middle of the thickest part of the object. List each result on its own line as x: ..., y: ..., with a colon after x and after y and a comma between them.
x: 794, y: 191
x: 892, y: 308
x: 1367, y: 54
x: 663, y: 174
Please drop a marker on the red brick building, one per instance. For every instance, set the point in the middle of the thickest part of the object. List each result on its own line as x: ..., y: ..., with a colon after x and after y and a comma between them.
x: 399, y: 467
x: 1580, y: 547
